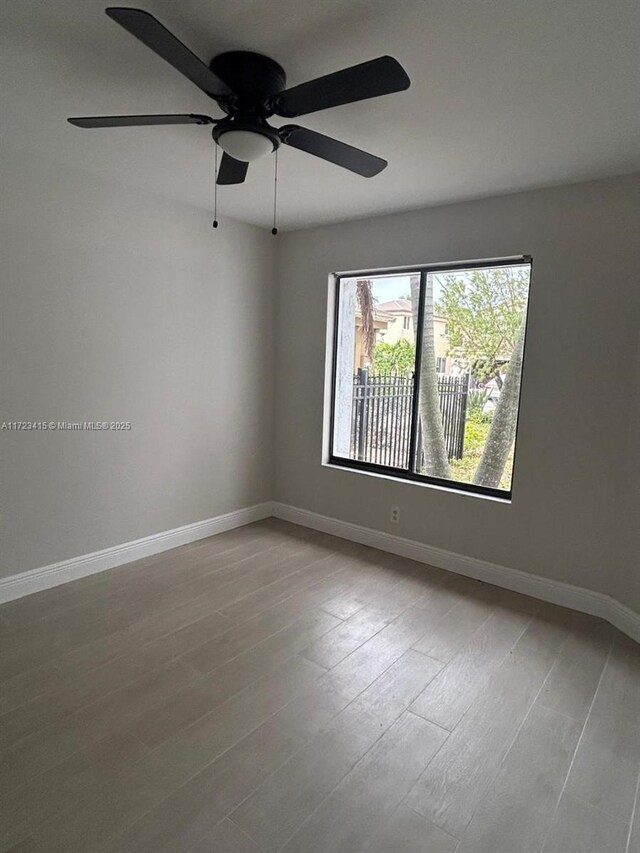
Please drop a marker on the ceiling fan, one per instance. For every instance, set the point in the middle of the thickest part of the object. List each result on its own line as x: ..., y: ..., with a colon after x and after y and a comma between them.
x: 250, y: 88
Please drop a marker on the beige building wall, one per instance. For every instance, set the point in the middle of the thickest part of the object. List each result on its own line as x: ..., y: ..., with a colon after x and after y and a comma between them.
x: 444, y: 362
x: 397, y: 331
x: 360, y: 357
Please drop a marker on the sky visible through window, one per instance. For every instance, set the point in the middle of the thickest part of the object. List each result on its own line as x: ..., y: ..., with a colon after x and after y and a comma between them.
x: 398, y: 287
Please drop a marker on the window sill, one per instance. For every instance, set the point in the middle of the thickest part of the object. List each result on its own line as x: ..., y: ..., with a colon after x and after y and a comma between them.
x: 460, y: 492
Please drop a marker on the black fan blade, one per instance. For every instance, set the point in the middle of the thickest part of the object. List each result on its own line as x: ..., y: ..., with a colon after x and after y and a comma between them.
x: 151, y: 32
x: 332, y: 150
x: 368, y: 80
x: 232, y: 171
x: 138, y: 121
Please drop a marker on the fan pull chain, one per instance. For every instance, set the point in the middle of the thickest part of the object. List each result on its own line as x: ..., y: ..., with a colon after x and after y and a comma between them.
x: 274, y: 230
x: 215, y: 189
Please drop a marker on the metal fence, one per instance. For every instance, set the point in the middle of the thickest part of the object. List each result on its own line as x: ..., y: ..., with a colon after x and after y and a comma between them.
x: 381, y: 417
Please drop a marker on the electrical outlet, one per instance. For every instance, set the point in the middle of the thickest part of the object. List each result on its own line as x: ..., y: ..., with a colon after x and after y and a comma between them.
x: 395, y: 514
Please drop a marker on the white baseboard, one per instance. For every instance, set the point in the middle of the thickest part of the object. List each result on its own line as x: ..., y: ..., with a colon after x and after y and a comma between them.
x: 46, y: 577
x: 556, y: 592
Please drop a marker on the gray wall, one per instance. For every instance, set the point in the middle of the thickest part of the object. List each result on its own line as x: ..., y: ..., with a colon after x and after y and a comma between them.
x: 573, y: 496
x: 628, y: 587
x: 120, y: 306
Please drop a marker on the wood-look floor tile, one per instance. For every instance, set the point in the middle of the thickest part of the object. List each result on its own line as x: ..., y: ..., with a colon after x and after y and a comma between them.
x: 605, y: 769
x: 316, y: 708
x: 33, y: 607
x: 634, y: 829
x: 226, y: 838
x: 25, y: 846
x: 54, y: 706
x: 436, y: 604
x: 449, y: 791
x: 350, y: 818
x: 247, y: 717
x: 343, y: 605
x: 373, y: 582
x: 516, y: 810
x: 313, y: 710
x: 262, y: 572
x: 409, y: 591
x: 25, y: 649
x: 281, y: 805
x: 309, y: 596
x: 454, y: 629
x: 29, y: 685
x: 52, y: 745
x: 256, y: 602
x: 192, y: 810
x: 417, y: 585
x: 206, y: 693
x: 116, y: 804
x: 186, y: 622
x: 52, y: 793
x: 28, y: 648
x: 574, y: 678
x: 135, y: 715
x: 212, y: 573
x: 581, y: 828
x: 100, y: 603
x: 221, y: 648
x: 255, y: 703
x: 451, y: 693
x: 371, y: 659
x: 240, y: 670
x: 409, y: 832
x: 346, y: 637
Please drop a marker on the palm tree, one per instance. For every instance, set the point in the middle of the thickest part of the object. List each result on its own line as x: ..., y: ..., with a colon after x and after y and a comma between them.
x: 436, y: 460
x: 366, y: 304
x: 502, y: 433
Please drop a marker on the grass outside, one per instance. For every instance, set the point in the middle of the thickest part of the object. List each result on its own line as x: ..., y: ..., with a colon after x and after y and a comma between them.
x: 475, y: 437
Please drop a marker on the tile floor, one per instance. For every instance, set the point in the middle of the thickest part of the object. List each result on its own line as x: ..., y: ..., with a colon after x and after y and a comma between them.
x: 276, y: 689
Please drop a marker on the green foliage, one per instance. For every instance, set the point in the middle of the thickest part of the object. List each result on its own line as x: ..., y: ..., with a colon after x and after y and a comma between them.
x: 398, y: 358
x: 475, y: 438
x: 476, y: 400
x: 484, y: 310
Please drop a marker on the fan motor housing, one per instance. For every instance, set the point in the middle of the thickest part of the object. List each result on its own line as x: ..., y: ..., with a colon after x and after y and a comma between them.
x: 251, y: 76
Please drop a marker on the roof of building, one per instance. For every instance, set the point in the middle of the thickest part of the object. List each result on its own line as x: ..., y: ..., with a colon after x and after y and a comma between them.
x: 395, y: 306
x: 378, y: 316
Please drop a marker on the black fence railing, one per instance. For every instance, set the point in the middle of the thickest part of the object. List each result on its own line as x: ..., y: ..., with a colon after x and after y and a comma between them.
x: 454, y: 393
x: 381, y: 417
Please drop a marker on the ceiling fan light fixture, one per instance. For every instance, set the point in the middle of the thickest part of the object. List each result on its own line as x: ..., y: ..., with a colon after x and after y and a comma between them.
x: 250, y: 88
x: 245, y: 145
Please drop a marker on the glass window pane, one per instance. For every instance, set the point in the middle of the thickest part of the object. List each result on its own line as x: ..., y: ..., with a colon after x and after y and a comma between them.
x: 374, y: 368
x: 470, y: 370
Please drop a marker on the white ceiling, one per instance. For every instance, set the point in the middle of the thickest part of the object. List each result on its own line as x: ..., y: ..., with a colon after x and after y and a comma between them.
x: 505, y: 95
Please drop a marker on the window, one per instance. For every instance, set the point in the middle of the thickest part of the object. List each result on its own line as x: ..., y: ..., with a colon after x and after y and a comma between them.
x: 406, y: 322
x: 439, y: 405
